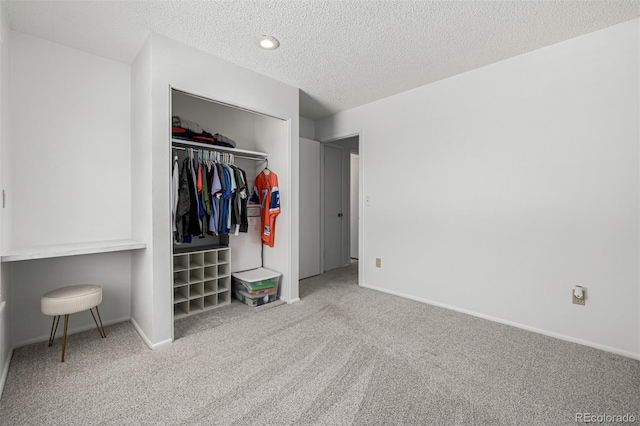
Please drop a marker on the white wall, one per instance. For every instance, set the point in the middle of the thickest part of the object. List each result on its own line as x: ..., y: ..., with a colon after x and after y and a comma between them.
x: 5, y: 143
x: 5, y: 183
x: 517, y: 181
x: 142, y: 308
x: 70, y: 181
x: 216, y: 79
x: 307, y: 128
x: 71, y: 116
x: 112, y: 271
x: 309, y: 208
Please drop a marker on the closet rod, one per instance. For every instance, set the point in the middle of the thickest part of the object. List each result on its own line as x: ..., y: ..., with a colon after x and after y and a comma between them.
x: 222, y: 152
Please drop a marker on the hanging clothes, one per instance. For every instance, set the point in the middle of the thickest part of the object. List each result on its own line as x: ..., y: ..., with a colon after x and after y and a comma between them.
x: 220, y: 197
x: 209, y: 197
x: 198, y: 187
x: 224, y: 201
x: 216, y: 192
x: 267, y: 194
x: 175, y: 187
x: 194, y: 208
x: 244, y: 220
x: 205, y: 197
x: 184, y: 204
x: 239, y: 195
x: 234, y: 188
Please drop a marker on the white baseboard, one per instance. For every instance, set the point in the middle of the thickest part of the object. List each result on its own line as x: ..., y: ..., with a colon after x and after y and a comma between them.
x: 146, y: 340
x: 292, y: 301
x: 595, y: 345
x: 45, y: 338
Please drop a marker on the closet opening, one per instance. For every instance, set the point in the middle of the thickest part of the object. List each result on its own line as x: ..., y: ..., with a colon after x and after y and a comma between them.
x: 222, y: 184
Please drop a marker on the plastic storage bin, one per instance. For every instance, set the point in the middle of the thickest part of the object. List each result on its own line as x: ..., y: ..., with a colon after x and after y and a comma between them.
x: 256, y: 287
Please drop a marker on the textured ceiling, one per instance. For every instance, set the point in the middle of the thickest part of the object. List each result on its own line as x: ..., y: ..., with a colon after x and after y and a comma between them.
x: 340, y: 54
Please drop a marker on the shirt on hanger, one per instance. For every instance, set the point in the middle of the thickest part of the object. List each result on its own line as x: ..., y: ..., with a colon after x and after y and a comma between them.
x: 225, y: 201
x: 216, y: 192
x: 175, y: 186
x: 267, y: 194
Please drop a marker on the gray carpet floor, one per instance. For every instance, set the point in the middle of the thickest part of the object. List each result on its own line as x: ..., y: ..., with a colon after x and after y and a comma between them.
x: 343, y: 355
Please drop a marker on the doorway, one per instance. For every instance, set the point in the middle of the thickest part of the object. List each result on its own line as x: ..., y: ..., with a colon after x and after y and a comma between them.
x: 329, y: 204
x: 340, y: 200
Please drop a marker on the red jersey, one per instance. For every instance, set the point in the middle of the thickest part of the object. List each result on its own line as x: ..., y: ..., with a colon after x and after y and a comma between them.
x: 267, y: 194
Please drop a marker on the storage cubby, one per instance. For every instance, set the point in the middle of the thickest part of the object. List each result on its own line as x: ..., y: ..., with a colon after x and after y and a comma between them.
x: 210, y: 258
x: 180, y: 294
x: 196, y: 305
x: 224, y: 298
x: 180, y: 263
x: 196, y: 291
x: 180, y: 278
x: 210, y: 273
x: 196, y: 275
x: 210, y: 301
x: 210, y: 287
x: 201, y: 281
x: 224, y: 284
x: 196, y: 260
x: 180, y: 309
x: 224, y: 270
x: 224, y: 257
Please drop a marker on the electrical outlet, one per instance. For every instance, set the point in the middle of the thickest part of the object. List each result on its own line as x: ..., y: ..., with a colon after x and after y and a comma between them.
x: 578, y: 299
x: 378, y: 262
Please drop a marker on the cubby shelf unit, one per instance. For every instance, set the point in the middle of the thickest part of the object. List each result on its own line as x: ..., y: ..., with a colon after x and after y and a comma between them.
x: 201, y: 281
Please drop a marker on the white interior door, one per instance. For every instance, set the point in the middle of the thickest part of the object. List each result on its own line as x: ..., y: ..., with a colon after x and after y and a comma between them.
x: 332, y: 211
x: 309, y: 208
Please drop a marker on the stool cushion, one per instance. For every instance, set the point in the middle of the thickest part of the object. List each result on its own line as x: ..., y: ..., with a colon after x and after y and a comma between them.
x: 72, y: 299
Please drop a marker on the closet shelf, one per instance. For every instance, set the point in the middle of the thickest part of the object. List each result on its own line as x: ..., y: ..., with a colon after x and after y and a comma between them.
x: 71, y: 249
x: 236, y: 151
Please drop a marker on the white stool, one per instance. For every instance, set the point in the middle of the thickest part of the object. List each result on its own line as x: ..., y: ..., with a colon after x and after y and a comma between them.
x: 69, y: 300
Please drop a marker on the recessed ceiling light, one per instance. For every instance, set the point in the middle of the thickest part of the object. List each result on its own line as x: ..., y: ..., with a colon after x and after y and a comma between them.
x: 267, y: 42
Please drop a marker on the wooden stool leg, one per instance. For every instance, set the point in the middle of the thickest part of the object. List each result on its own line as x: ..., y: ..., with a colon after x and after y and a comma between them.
x: 64, y: 336
x: 54, y: 328
x: 100, y: 330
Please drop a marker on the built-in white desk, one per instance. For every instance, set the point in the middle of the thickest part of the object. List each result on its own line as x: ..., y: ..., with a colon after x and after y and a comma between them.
x: 71, y: 249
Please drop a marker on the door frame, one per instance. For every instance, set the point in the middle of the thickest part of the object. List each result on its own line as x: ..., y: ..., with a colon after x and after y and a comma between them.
x: 351, y: 154
x: 346, y: 208
x: 361, y: 186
